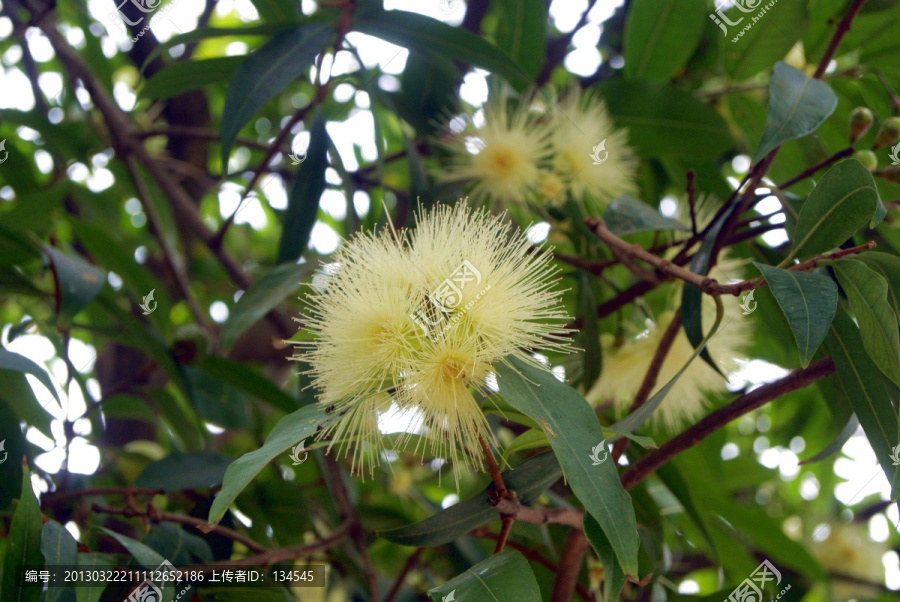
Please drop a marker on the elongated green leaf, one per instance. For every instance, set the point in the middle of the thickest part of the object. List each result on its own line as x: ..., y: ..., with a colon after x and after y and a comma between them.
x: 216, y: 401
x: 798, y: 104
x: 289, y: 431
x: 660, y: 36
x: 628, y: 215
x: 20, y: 363
x: 613, y: 577
x: 503, y: 576
x: 268, y: 71
x: 663, y: 120
x: 888, y: 266
x: 148, y: 558
x: 867, y: 292
x: 522, y: 33
x: 864, y: 387
x: 590, y: 334
x: 23, y: 545
x: 574, y: 433
x: 182, y: 76
x: 92, y: 590
x: 249, y: 381
x: 838, y: 443
x: 77, y: 282
x: 15, y: 390
x: 529, y: 480
x: 256, y: 302
x: 200, y: 470
x: 750, y: 48
x: 844, y: 201
x: 528, y: 440
x: 58, y: 548
x: 277, y: 11
x: 303, y: 201
x: 671, y: 477
x: 205, y: 33
x: 808, y: 301
x: 432, y: 36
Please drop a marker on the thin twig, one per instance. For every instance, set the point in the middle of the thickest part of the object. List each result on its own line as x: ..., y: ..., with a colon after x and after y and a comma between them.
x: 842, y: 30
x: 411, y: 562
x: 691, y: 190
x: 570, y: 564
x: 809, y: 171
x: 62, y: 496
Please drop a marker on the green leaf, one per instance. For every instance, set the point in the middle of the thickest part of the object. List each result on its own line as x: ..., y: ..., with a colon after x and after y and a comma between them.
x: 15, y: 390
x: 503, y: 576
x: 574, y: 432
x: 865, y: 389
x: 837, y: 444
x: 888, y: 266
x: 429, y: 35
x: 590, y: 334
x: 529, y: 480
x: 660, y: 36
x: 260, y: 298
x: 23, y: 545
x: 58, y: 548
x: 289, y: 431
x: 20, y: 363
x: 77, y: 282
x: 248, y: 380
x: 628, y: 215
x: 663, y: 120
x: 671, y: 477
x: 613, y: 577
x: 182, y: 76
x: 767, y: 40
x: 146, y: 557
x: 216, y: 401
x: 808, y: 301
x: 844, y: 201
x: 798, y: 105
x: 206, y: 33
x: 278, y: 11
x: 867, y: 292
x: 268, y: 71
x: 303, y: 202
x: 92, y: 590
x: 177, y: 471
x: 522, y: 33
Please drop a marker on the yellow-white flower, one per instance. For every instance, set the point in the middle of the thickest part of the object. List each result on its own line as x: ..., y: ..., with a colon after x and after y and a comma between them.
x: 580, y: 124
x: 419, y: 320
x: 501, y: 158
x: 849, y: 550
x: 624, y: 366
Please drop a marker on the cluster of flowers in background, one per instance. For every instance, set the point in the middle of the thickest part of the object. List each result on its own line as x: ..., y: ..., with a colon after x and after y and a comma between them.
x: 537, y: 152
x: 377, y: 315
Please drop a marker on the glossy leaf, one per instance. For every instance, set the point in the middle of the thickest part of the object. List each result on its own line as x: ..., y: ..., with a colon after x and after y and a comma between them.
x: 58, y: 548
x: 289, y: 431
x: 864, y: 388
x: 867, y: 292
x: 844, y: 201
x: 268, y: 71
x: 20, y: 363
x: 628, y: 215
x: 888, y: 266
x: 183, y: 76
x: 303, y: 201
x: 808, y: 301
x: 798, y: 104
x: 248, y: 380
x: 263, y: 296
x: 613, y: 577
x: 660, y: 36
x: 757, y: 49
x: 91, y: 591
x: 23, y: 545
x: 216, y: 401
x: 503, y: 576
x: 177, y: 471
x: 574, y: 431
x: 522, y: 33
x: 77, y: 282
x: 529, y: 480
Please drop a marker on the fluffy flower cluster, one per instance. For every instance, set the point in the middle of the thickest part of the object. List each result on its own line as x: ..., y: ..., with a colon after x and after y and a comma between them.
x: 535, y: 152
x: 417, y: 321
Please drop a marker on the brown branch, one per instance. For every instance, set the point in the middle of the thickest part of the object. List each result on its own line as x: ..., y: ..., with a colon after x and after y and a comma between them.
x: 411, y: 562
x: 540, y: 516
x: 691, y: 190
x: 62, y: 496
x: 694, y: 434
x: 156, y: 515
x: 811, y: 170
x: 842, y: 29
x: 500, y: 493
x: 569, y: 566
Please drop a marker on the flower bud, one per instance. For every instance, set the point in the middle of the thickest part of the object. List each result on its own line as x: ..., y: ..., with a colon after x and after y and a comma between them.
x: 889, y: 133
x: 861, y: 120
x: 891, y: 173
x: 867, y: 158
